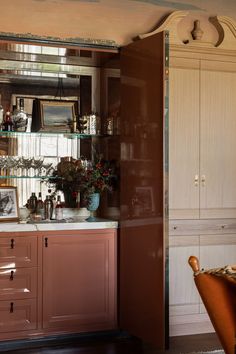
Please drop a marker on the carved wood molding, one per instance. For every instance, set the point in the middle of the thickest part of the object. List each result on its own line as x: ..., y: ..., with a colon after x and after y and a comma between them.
x: 170, y: 24
x: 225, y: 26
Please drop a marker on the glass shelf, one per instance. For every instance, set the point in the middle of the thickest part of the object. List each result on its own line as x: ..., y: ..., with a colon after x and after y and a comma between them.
x: 28, y: 177
x: 50, y: 134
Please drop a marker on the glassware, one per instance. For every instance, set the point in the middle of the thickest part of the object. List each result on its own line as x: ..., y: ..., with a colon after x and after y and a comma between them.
x: 37, y: 164
x: 48, y: 208
x: 8, y: 125
x: 58, y: 209
x: 26, y: 164
x: 83, y: 123
x: 20, y: 116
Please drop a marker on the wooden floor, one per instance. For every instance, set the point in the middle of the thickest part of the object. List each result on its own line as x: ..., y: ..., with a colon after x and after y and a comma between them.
x: 123, y: 345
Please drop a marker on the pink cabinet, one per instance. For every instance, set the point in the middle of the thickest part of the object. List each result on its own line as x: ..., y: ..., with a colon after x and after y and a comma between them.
x: 79, y: 280
x: 56, y: 282
x: 18, y: 283
x: 17, y: 315
x: 18, y: 251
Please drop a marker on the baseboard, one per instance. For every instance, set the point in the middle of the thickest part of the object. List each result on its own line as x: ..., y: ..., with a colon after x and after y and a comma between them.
x: 190, y: 326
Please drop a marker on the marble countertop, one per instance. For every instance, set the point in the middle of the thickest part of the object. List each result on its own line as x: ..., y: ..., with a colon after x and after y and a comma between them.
x: 59, y: 225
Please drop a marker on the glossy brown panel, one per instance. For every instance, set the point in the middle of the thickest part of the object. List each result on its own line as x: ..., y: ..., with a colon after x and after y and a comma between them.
x: 142, y: 283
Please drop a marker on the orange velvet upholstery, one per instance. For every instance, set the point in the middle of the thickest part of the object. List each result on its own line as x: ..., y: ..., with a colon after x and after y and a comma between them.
x: 219, y: 297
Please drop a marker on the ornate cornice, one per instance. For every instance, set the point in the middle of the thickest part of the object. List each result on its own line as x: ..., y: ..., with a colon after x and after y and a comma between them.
x: 225, y: 26
x: 170, y: 24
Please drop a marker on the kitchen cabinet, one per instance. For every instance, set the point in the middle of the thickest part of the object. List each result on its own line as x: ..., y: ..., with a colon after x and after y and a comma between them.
x: 143, y: 128
x: 69, y: 287
x: 18, y: 282
x: 202, y: 139
x: 184, y: 138
x: 202, y: 190
x: 79, y: 280
x: 214, y: 243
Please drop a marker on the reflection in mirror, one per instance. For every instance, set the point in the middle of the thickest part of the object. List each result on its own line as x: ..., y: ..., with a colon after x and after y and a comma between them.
x: 30, y: 72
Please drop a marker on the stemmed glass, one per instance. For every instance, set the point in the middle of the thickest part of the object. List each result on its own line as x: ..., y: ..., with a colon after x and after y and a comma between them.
x: 37, y: 165
x: 11, y: 165
x: 47, y: 167
x: 3, y: 165
x: 26, y: 164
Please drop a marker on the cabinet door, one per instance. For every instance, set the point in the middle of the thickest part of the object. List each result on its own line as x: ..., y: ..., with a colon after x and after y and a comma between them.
x: 18, y: 251
x: 79, y: 281
x: 184, y: 139
x: 144, y: 128
x: 218, y: 143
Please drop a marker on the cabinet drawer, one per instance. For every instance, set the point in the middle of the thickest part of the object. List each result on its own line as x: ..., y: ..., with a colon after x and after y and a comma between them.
x: 18, y: 315
x: 18, y: 283
x: 20, y: 251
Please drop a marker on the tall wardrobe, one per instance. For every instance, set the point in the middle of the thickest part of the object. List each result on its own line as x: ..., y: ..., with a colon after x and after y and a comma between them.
x: 202, y: 163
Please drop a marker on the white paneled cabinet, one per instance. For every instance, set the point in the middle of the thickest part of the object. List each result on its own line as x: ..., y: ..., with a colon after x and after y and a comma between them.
x: 202, y: 178
x: 214, y: 243
x: 184, y: 139
x: 217, y: 140
x: 202, y: 139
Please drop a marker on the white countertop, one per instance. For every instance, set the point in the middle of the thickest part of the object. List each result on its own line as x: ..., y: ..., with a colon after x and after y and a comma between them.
x: 62, y: 225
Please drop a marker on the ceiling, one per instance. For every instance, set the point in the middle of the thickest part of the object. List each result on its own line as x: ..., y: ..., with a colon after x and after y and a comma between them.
x: 116, y: 20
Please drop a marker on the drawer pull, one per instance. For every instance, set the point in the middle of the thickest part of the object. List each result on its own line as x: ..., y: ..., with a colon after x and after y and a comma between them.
x: 12, y: 275
x: 12, y: 243
x: 46, y: 242
x: 11, y: 307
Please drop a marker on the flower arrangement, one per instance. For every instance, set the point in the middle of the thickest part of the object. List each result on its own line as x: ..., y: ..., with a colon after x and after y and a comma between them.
x: 72, y: 176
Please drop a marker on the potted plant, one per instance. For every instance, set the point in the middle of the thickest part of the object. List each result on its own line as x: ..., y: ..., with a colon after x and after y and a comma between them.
x: 87, y: 178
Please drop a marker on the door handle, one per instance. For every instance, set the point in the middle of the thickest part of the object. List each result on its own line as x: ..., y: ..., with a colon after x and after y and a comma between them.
x: 12, y: 243
x: 203, y: 180
x: 196, y: 180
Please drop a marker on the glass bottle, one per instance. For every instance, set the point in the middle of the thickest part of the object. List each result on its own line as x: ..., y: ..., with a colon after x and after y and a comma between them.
x: 48, y: 208
x: 20, y: 116
x: 8, y: 125
x: 32, y: 205
x: 40, y: 206
x: 59, y: 209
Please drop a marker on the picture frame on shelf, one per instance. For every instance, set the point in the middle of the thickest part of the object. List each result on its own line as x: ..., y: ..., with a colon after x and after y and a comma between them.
x: 145, y: 199
x: 54, y: 115
x: 9, y: 208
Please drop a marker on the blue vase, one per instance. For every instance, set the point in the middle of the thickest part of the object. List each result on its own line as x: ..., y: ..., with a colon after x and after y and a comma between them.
x: 93, y: 204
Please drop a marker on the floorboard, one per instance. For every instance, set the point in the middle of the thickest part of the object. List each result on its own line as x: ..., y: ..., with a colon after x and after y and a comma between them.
x: 124, y: 345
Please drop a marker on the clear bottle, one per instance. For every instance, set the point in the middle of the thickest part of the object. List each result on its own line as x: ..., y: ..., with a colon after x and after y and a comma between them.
x: 20, y: 116
x: 48, y: 208
x: 8, y: 125
x: 40, y: 206
x: 59, y: 209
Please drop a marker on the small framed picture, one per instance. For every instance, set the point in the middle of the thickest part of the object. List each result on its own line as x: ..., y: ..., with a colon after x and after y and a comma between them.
x: 9, y: 210
x: 53, y: 115
x: 145, y: 199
